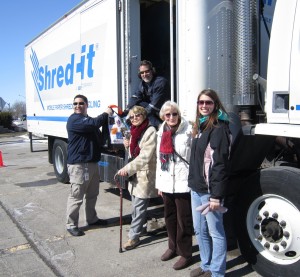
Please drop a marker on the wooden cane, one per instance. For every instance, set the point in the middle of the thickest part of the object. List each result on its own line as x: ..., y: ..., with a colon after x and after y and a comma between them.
x: 121, y: 210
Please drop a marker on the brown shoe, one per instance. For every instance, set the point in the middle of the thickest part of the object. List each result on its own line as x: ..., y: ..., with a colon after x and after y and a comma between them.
x: 168, y: 255
x: 131, y: 243
x: 197, y: 272
x: 182, y: 263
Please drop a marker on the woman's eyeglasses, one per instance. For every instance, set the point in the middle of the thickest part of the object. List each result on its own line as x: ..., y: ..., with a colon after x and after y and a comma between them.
x: 206, y: 102
x: 134, y: 115
x: 168, y: 115
x: 78, y: 103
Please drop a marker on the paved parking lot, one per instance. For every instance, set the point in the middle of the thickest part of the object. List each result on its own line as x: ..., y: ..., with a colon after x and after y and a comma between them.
x: 34, y: 241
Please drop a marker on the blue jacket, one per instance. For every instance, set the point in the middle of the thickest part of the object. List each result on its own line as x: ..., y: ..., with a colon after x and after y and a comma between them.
x: 84, y: 138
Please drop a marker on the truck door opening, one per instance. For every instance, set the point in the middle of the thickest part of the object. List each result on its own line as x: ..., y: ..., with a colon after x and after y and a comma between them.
x: 149, y: 37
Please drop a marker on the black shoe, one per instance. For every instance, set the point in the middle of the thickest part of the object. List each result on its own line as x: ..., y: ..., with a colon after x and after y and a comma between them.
x: 76, y: 232
x: 99, y: 222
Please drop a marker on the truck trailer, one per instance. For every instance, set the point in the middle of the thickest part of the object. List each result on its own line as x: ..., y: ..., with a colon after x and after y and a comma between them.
x: 246, y: 50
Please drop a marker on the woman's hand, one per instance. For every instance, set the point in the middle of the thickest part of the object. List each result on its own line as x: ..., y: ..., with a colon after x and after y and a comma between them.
x: 126, y: 143
x: 122, y: 172
x: 160, y: 193
x: 214, y: 204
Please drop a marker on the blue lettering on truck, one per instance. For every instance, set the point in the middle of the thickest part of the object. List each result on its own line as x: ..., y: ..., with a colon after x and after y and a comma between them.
x: 46, y: 78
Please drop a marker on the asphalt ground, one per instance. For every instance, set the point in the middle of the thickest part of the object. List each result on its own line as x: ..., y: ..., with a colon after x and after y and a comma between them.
x: 33, y: 238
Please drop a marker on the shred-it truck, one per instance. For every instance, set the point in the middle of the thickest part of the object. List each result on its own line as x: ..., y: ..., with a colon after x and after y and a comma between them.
x: 246, y: 50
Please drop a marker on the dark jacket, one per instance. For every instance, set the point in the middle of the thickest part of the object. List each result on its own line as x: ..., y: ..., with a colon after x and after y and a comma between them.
x: 84, y: 138
x: 209, y: 161
x: 151, y: 95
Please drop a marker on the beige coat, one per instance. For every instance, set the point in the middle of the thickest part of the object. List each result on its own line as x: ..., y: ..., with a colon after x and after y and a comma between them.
x: 144, y: 165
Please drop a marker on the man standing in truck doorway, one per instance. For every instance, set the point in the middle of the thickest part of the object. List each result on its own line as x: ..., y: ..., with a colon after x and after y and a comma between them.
x: 84, y: 142
x: 152, y: 92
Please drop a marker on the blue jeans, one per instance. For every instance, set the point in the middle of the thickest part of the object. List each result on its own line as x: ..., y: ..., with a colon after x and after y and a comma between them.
x: 210, y: 235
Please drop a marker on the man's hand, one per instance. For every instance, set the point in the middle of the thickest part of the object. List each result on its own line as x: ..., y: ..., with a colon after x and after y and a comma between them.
x: 109, y: 111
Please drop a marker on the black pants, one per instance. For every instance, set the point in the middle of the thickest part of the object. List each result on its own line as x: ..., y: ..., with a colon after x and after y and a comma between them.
x: 179, y: 222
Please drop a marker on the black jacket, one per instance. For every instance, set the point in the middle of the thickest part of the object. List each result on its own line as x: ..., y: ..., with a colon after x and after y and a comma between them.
x: 151, y: 95
x: 84, y: 138
x: 216, y: 144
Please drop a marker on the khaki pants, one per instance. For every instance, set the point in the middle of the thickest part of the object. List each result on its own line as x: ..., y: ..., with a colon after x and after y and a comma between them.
x: 84, y: 181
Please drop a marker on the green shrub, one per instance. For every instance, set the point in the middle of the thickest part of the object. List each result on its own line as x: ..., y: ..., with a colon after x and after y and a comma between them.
x: 6, y: 119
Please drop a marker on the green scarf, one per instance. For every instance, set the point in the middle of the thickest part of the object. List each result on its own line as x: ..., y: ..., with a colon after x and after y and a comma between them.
x: 221, y: 116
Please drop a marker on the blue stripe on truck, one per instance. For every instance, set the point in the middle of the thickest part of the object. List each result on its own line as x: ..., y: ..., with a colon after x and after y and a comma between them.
x: 48, y: 118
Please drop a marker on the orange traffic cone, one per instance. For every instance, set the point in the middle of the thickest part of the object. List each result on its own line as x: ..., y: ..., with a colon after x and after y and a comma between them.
x: 1, y: 160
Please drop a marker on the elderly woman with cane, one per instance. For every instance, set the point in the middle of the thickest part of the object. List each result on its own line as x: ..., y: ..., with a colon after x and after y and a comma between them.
x: 140, y: 169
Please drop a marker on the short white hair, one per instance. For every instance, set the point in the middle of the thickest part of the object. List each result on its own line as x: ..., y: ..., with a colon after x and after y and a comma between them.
x: 167, y: 105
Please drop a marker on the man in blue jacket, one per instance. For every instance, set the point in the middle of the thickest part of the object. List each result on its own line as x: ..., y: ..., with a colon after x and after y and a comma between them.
x: 152, y: 92
x: 84, y: 142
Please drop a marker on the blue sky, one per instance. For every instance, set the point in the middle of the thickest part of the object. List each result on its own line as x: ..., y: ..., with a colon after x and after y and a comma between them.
x: 20, y: 22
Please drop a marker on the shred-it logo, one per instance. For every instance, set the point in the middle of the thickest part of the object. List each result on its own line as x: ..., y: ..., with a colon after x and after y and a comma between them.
x: 47, y: 78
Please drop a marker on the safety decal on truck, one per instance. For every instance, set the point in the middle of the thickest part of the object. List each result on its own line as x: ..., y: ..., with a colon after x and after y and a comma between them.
x: 47, y: 78
x: 91, y: 104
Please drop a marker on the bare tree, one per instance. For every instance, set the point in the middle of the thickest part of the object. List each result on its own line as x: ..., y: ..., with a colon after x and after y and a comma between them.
x: 18, y: 109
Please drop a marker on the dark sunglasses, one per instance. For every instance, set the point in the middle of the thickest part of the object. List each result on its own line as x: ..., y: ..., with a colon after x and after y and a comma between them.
x: 78, y: 103
x: 168, y: 115
x: 206, y: 102
x: 146, y: 72
x: 135, y: 115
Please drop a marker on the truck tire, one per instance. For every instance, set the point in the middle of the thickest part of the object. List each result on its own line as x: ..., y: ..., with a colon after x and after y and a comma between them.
x: 59, y: 158
x: 268, y: 221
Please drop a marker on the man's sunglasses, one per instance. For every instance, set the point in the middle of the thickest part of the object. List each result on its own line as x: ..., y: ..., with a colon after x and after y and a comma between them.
x: 78, y: 103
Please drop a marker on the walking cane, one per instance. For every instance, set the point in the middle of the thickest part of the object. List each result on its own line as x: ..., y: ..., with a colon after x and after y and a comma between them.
x: 121, y: 209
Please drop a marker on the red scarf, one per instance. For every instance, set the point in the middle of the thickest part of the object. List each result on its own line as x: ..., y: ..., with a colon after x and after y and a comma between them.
x: 136, y: 134
x: 166, y: 149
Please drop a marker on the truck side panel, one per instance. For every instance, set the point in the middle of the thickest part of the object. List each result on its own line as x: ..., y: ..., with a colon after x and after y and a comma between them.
x: 294, y: 113
x: 78, y: 55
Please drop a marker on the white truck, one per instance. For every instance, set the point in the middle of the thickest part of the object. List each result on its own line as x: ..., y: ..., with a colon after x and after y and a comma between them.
x: 95, y: 50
